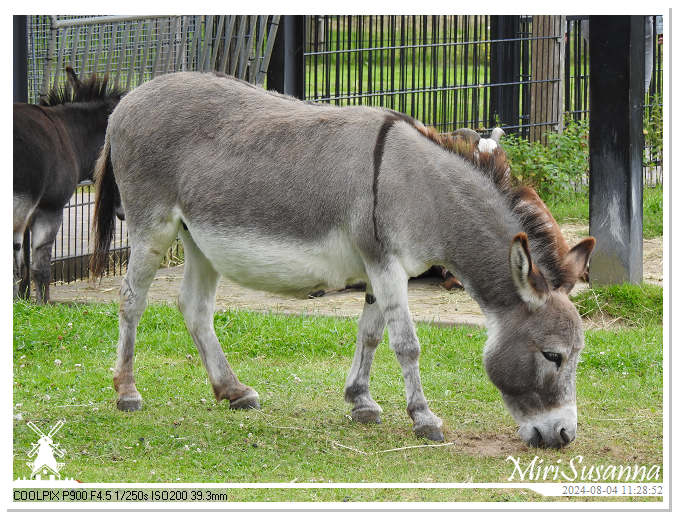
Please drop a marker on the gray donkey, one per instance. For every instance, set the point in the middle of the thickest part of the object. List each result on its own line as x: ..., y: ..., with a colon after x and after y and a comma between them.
x: 290, y: 197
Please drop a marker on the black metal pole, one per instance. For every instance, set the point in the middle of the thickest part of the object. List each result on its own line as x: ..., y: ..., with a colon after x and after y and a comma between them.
x: 20, y: 95
x: 20, y: 58
x: 286, y: 68
x: 504, y: 68
x: 616, y: 145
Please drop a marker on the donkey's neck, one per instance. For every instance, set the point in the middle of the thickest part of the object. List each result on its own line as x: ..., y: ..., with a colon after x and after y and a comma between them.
x: 86, y: 127
x: 477, y: 231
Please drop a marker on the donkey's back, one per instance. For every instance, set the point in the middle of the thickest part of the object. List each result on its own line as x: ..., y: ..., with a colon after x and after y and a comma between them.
x: 278, y: 194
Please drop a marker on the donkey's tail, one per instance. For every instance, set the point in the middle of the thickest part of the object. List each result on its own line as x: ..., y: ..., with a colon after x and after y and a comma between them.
x: 106, y: 201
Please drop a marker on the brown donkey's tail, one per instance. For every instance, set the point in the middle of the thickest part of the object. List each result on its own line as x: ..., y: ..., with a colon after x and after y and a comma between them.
x: 106, y: 201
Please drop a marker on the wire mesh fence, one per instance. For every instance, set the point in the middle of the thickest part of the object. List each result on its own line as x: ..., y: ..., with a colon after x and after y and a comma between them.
x: 132, y: 50
x: 135, y: 49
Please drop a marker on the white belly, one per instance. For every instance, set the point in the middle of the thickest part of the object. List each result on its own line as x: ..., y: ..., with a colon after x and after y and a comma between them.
x: 288, y: 267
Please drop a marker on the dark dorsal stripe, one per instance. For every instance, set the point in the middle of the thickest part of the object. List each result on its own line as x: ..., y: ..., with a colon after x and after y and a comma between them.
x: 378, y: 154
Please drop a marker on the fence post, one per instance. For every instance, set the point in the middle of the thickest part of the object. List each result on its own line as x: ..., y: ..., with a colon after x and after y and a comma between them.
x: 20, y: 57
x: 20, y: 95
x: 504, y: 68
x: 286, y: 68
x: 547, y: 67
x: 616, y: 144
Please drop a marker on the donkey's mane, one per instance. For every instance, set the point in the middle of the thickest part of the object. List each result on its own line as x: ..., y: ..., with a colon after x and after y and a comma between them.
x: 92, y: 89
x: 548, y: 244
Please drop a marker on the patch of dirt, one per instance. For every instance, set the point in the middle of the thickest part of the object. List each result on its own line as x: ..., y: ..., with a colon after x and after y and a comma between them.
x: 487, y: 444
x: 428, y: 301
x: 652, y: 254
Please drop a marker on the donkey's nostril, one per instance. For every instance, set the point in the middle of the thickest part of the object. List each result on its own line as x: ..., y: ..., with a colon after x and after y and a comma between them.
x: 536, y: 440
x: 565, y: 436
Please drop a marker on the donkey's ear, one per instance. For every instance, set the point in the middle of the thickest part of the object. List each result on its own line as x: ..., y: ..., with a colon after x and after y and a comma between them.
x: 576, y: 263
x: 72, y: 78
x: 530, y: 283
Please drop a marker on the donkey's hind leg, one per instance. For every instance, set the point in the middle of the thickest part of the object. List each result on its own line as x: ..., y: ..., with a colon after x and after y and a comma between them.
x: 23, y: 209
x: 356, y: 390
x: 46, y: 224
x: 197, y: 303
x: 146, y: 253
x: 390, y: 284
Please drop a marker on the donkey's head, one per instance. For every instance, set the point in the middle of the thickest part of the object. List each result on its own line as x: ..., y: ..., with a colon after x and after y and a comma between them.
x: 533, y: 348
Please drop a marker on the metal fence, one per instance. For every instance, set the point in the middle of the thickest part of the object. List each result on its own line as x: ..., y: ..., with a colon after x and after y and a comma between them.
x: 447, y: 71
x: 529, y: 74
x: 576, y: 86
x: 132, y: 50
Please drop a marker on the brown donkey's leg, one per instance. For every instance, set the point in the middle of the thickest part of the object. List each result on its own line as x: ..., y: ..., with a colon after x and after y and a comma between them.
x: 370, y: 332
x: 197, y: 303
x: 44, y: 230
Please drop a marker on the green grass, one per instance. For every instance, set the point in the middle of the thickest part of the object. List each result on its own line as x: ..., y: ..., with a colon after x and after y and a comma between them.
x: 634, y: 305
x: 653, y: 211
x: 574, y: 208
x: 303, y: 433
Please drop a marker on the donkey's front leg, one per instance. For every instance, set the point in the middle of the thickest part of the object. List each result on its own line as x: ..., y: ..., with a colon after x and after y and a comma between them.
x: 356, y: 392
x: 390, y: 283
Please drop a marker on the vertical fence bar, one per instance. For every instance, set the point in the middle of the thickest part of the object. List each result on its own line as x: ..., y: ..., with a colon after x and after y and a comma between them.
x: 217, y: 41
x: 86, y: 51
x: 227, y: 43
x: 47, y: 69
x: 180, y: 58
x: 60, y: 56
x: 615, y: 192
x: 286, y: 69
x: 504, y: 68
x: 270, y: 40
x: 133, y: 57
x: 122, y: 55
x: 547, y: 66
x: 100, y: 44
x: 20, y: 58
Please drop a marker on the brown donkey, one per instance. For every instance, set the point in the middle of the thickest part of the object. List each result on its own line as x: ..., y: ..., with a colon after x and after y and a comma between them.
x: 56, y: 144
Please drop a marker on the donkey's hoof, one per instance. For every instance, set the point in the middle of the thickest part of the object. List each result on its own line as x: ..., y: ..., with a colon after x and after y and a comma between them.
x: 366, y: 415
x: 430, y: 431
x: 131, y: 403
x: 247, y: 401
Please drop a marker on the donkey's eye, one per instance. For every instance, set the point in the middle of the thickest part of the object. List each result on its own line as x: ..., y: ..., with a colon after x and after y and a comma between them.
x: 553, y: 357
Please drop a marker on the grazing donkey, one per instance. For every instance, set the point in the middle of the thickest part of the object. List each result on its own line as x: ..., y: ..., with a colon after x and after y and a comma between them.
x: 56, y: 144
x: 290, y: 197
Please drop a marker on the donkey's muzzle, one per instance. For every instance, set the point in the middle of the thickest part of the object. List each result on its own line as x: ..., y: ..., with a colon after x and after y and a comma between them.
x: 538, y: 440
x: 553, y: 429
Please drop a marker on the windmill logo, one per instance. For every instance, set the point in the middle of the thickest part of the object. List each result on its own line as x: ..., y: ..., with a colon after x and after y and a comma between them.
x: 45, y: 464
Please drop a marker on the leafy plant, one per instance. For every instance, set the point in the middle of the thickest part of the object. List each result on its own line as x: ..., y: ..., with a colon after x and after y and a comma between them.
x: 557, y: 168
